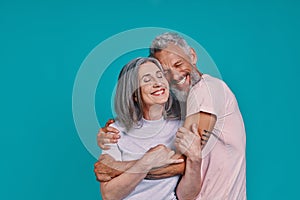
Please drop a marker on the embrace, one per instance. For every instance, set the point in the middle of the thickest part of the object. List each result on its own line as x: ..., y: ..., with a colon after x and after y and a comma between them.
x: 178, y: 134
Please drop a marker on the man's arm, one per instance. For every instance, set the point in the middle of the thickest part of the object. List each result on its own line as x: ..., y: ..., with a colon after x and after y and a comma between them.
x: 122, y: 185
x: 189, y: 143
x: 107, y: 168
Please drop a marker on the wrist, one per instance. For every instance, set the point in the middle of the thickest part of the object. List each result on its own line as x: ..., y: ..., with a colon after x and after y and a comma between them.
x: 145, y: 164
x: 194, y: 158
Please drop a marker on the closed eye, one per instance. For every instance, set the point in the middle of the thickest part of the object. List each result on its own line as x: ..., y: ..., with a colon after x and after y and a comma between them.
x: 146, y: 78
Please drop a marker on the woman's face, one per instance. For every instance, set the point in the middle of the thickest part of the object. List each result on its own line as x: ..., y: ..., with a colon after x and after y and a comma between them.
x: 154, y: 86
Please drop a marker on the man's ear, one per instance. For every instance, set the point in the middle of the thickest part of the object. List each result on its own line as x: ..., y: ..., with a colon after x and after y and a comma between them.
x: 194, y: 57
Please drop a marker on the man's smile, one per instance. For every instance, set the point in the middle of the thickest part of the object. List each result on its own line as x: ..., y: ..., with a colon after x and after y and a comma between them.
x: 182, y: 81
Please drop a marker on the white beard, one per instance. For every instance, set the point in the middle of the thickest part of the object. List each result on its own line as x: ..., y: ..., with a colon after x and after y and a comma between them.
x: 179, y: 94
x: 182, y: 95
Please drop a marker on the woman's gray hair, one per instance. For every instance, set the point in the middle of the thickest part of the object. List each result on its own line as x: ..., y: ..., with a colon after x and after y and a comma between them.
x: 128, y: 100
x: 164, y: 40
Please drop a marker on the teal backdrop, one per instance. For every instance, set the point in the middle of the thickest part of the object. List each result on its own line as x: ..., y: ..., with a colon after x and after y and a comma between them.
x: 255, y: 45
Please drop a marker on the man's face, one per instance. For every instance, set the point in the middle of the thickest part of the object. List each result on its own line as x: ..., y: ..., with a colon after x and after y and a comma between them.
x: 177, y: 66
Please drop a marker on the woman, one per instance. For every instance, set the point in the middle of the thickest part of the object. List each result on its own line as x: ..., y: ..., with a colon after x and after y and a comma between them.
x: 147, y: 127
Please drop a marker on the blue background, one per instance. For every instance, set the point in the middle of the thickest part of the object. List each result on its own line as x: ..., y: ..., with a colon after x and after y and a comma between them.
x: 255, y: 45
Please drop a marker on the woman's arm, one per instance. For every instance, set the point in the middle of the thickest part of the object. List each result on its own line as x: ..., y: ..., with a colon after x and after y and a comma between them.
x: 122, y: 185
x: 189, y: 144
x: 107, y: 168
x: 168, y: 171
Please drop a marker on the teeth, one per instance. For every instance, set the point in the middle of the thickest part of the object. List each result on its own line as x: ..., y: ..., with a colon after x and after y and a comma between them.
x: 159, y: 92
x: 182, y: 81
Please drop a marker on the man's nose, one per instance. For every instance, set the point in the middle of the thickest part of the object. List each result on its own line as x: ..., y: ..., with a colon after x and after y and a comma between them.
x: 175, y: 74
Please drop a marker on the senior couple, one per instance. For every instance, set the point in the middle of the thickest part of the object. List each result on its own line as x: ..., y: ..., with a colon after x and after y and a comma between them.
x: 178, y: 133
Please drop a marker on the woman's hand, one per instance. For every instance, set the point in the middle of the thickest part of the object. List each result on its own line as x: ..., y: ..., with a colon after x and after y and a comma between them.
x: 160, y: 156
x: 189, y: 142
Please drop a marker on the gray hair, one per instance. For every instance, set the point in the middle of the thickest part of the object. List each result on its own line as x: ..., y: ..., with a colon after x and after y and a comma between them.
x: 164, y: 40
x: 128, y: 100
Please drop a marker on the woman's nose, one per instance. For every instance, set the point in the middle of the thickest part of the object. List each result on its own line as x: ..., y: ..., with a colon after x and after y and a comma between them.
x: 157, y: 82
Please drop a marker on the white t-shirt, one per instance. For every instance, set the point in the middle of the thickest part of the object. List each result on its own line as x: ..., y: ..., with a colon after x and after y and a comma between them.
x: 223, y: 166
x: 134, y: 144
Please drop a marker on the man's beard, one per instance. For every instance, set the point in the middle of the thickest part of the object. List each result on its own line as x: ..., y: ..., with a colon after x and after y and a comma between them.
x: 181, y: 95
x: 195, y: 76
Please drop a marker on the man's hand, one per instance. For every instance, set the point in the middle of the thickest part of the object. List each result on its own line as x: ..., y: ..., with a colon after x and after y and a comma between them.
x: 189, y: 142
x: 107, y: 135
x: 104, y: 168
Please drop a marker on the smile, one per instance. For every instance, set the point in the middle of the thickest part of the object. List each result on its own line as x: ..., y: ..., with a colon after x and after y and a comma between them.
x: 182, y: 81
x: 158, y: 92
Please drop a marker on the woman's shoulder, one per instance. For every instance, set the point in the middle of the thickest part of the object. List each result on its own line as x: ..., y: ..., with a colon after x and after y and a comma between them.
x: 118, y: 126
x: 174, y: 122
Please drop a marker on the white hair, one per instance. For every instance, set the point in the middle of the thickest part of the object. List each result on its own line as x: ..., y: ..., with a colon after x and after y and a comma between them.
x: 164, y: 40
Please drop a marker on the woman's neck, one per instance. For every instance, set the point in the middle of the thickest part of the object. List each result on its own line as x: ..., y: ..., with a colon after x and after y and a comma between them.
x: 153, y: 112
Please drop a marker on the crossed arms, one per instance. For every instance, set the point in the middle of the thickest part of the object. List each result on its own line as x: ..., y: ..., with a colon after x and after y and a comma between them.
x: 188, y: 142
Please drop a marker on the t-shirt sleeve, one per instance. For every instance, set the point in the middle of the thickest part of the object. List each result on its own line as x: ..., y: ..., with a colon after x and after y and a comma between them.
x: 114, y: 150
x: 200, y: 100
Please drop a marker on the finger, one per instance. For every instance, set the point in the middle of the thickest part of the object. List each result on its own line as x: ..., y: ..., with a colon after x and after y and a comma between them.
x: 176, y: 161
x: 204, y: 137
x: 103, y: 177
x: 181, y: 148
x: 109, y: 122
x: 179, y: 134
x: 149, y: 176
x: 195, y: 129
x: 103, y: 146
x: 106, y: 136
x: 171, y: 153
x: 182, y: 129
x: 106, y: 141
x: 111, y: 129
x: 178, y: 139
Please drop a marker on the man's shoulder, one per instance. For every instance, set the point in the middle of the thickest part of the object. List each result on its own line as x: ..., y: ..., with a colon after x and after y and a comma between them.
x: 208, y: 83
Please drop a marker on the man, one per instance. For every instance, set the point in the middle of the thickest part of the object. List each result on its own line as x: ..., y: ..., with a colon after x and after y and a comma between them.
x: 211, y: 105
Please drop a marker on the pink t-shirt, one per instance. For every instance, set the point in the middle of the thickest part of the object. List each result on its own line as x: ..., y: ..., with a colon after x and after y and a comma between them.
x: 223, y: 166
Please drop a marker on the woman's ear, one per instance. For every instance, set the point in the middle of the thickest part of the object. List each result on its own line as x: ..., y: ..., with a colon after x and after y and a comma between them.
x: 193, y: 56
